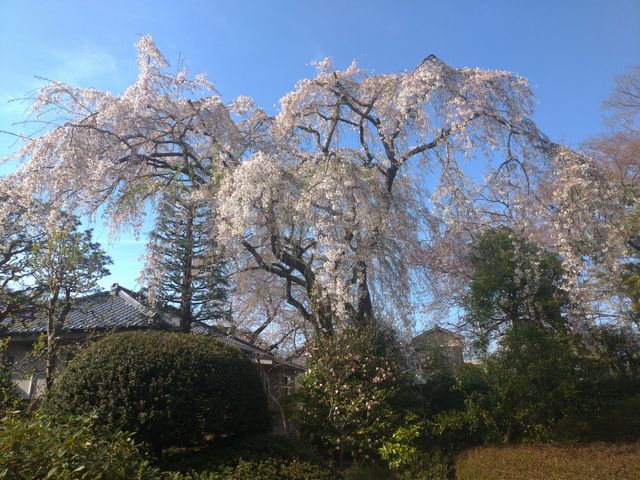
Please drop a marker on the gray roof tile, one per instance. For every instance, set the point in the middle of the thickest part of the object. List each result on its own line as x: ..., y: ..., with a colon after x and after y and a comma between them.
x: 119, y: 309
x: 100, y: 311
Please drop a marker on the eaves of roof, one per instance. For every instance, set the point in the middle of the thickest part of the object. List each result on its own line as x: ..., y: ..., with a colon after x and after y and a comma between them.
x: 118, y: 310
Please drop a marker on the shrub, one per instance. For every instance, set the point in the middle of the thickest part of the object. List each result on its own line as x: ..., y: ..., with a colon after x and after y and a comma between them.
x: 270, y: 469
x: 523, y: 391
x: 539, y: 386
x: 169, y: 388
x: 349, y: 389
x: 401, y: 449
x: 609, y: 387
x: 460, y: 409
x: 229, y: 452
x: 255, y: 457
x: 276, y: 469
x: 67, y: 448
x: 9, y: 398
x: 618, y: 422
x: 368, y: 471
x: 433, y: 465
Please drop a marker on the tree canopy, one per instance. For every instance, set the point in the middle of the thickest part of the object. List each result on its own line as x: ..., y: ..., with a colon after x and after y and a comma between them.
x: 514, y: 283
x: 356, y: 200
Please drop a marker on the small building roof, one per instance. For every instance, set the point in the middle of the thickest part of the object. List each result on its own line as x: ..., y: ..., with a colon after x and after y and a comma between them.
x: 438, y: 329
x: 117, y: 310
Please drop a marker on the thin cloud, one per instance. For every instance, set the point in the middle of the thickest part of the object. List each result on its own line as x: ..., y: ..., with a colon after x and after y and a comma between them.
x: 86, y: 65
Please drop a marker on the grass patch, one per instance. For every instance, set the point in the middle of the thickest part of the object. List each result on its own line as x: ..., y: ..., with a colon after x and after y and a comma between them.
x: 595, y: 461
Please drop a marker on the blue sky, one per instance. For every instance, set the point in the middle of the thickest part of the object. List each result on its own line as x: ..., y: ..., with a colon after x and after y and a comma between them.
x: 569, y: 50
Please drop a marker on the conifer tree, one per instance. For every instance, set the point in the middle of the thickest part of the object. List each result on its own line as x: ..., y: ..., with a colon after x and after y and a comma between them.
x: 185, y: 269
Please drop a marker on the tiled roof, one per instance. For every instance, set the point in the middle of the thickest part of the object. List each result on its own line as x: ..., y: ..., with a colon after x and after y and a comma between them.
x: 199, y: 328
x: 119, y: 309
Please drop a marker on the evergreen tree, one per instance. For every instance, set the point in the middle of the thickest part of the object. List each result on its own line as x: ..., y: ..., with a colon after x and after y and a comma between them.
x: 514, y: 283
x: 65, y: 266
x: 184, y: 268
x: 515, y: 300
x: 17, y: 241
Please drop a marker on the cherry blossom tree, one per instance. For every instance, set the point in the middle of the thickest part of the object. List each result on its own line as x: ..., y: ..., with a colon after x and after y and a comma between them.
x: 261, y: 311
x: 117, y: 151
x: 617, y: 153
x: 340, y: 207
x: 351, y: 203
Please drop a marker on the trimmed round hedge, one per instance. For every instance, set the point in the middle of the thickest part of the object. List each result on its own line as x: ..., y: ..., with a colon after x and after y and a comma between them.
x: 172, y: 389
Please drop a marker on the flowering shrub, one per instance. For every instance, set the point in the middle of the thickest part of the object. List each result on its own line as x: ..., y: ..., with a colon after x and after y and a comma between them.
x: 352, y: 380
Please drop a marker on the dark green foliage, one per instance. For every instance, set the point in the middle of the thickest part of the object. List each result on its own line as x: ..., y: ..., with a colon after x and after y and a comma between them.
x: 429, y: 465
x: 608, y: 390
x: 432, y: 465
x: 230, y: 451
x: 66, y: 265
x: 462, y: 416
x: 169, y: 388
x: 514, y: 283
x: 475, y: 404
x: 542, y: 380
x: 529, y: 383
x: 8, y: 395
x: 69, y: 261
x: 616, y: 352
x: 437, y: 393
x: 533, y: 382
x: 276, y: 469
x: 17, y: 239
x: 268, y: 456
x: 40, y: 270
x: 269, y: 469
x: 42, y: 273
x: 618, y: 421
x: 9, y: 398
x: 368, y: 471
x: 185, y: 269
x: 539, y: 386
x: 40, y: 446
x: 409, y: 457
